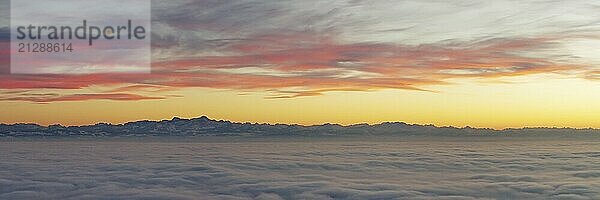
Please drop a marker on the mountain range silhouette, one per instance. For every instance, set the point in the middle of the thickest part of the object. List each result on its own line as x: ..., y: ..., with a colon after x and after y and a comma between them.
x: 204, y: 126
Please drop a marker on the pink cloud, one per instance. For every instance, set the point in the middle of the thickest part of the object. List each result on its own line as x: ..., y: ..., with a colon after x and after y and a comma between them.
x: 312, y: 64
x: 80, y: 97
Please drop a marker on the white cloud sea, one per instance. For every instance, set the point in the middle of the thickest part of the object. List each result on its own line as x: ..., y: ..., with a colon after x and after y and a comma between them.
x: 413, y: 169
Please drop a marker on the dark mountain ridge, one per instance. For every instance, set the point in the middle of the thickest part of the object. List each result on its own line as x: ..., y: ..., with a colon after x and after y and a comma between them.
x: 204, y: 126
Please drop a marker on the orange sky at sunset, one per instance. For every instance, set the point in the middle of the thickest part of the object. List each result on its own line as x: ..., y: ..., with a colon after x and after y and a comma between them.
x: 501, y: 64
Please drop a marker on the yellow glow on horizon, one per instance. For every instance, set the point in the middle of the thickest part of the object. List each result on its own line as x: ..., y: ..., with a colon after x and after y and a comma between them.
x: 531, y: 101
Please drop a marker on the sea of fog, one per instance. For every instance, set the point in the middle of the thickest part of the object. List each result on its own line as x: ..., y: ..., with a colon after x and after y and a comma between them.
x: 284, y: 168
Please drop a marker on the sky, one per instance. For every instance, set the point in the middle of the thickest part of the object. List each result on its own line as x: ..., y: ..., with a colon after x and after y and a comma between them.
x: 493, y: 64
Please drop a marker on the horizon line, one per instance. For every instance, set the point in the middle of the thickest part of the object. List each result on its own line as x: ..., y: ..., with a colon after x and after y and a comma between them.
x: 304, y: 125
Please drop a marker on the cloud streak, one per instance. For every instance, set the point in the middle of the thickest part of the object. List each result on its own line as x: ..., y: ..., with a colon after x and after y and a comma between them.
x: 46, y: 98
x: 292, y: 50
x: 296, y: 68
